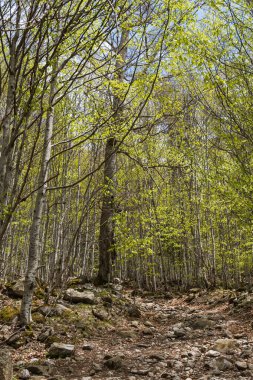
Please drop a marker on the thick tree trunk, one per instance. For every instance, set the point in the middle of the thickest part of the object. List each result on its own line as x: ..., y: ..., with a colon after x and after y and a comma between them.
x: 107, y: 251
x: 106, y: 238
x: 25, y: 312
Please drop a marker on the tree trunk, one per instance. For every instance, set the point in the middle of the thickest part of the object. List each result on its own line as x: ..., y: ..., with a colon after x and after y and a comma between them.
x: 107, y: 251
x: 25, y: 312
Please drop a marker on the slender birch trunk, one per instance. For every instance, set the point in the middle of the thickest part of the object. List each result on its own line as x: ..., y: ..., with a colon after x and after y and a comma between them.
x: 25, y: 312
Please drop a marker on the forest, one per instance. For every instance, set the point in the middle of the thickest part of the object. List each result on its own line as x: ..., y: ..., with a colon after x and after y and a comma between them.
x: 126, y: 147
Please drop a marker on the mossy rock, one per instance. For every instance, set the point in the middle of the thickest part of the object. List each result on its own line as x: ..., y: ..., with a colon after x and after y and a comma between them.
x: 38, y: 318
x: 8, y: 313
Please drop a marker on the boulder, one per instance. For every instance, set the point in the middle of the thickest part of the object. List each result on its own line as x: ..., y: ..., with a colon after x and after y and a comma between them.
x: 16, y: 289
x: 6, y: 367
x: 61, y: 350
x: 75, y: 296
x: 57, y: 310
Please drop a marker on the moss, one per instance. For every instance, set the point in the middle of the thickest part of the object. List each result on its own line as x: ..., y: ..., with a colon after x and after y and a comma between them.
x: 38, y: 318
x: 8, y: 313
x: 103, y: 293
x: 39, y: 293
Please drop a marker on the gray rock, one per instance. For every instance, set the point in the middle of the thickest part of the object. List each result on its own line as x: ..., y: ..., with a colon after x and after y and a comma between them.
x: 100, y: 314
x: 200, y: 323
x: 242, y: 366
x: 157, y: 357
x: 179, y: 332
x: 61, y: 309
x: 223, y: 364
x: 75, y: 296
x: 46, y: 310
x: 213, y: 354
x: 36, y: 369
x: 24, y: 374
x: 17, y: 289
x: 45, y: 333
x: 61, y: 350
x: 6, y: 367
x: 87, y: 347
x: 51, y: 311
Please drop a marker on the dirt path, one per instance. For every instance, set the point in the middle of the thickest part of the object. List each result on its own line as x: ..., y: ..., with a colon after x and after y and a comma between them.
x: 207, y: 338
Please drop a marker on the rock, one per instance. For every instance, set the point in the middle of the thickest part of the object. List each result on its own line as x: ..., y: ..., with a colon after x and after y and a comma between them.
x: 157, y: 357
x: 51, y: 311
x: 100, y: 314
x: 213, y: 353
x: 97, y: 368
x: 225, y: 345
x: 46, y: 310
x: 242, y: 366
x: 36, y: 369
x: 179, y: 332
x: 126, y: 333
x: 223, y: 364
x: 147, y: 331
x: 200, y: 323
x: 16, y: 289
x: 61, y: 309
x: 148, y: 324
x: 107, y: 300
x: 45, y: 333
x: 141, y: 372
x: 133, y: 311
x: 24, y: 374
x: 19, y: 339
x: 87, y: 347
x: 114, y: 362
x: 246, y: 354
x: 61, y: 350
x: 6, y: 368
x: 75, y: 296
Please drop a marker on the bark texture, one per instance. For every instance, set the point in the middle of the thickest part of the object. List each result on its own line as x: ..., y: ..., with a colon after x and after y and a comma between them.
x: 107, y: 250
x: 25, y: 312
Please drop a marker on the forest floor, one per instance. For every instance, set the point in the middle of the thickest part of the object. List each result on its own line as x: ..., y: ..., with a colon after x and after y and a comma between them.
x: 201, y: 335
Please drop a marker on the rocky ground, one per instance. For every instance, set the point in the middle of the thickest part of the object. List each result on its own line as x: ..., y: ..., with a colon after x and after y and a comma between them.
x: 90, y: 333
